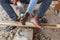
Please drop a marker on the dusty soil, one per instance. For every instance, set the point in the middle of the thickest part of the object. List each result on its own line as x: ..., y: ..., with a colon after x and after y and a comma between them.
x: 45, y: 34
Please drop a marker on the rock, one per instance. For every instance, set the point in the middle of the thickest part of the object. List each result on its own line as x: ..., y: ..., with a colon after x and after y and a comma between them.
x: 24, y: 34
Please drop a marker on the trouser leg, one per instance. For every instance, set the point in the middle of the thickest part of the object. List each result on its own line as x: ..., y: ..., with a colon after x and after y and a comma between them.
x: 43, y: 7
x: 6, y: 6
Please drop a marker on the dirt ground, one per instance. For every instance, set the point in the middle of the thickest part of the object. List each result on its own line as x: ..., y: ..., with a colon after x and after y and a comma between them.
x: 45, y: 34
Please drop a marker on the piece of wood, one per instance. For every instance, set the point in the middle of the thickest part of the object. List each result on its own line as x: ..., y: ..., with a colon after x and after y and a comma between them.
x: 28, y: 24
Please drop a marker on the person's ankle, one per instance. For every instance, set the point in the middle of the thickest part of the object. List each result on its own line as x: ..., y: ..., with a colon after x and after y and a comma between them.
x: 17, y: 19
x: 27, y: 14
x: 37, y: 17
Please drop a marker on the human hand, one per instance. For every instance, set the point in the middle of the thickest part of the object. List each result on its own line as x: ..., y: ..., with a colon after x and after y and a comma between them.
x: 14, y: 2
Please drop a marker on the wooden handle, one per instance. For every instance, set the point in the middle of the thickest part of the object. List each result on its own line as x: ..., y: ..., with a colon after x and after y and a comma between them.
x: 28, y: 24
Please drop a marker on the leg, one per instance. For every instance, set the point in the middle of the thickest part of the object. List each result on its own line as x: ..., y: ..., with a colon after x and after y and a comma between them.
x: 29, y: 10
x: 43, y: 8
x: 31, y: 6
x: 6, y: 5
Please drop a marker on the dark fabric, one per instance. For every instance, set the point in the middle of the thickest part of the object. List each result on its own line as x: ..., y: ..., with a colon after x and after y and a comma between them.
x: 6, y: 6
x: 27, y: 1
x: 5, y: 1
x: 43, y: 7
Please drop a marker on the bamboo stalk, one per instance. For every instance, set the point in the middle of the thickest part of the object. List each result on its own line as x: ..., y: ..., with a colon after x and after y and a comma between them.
x: 28, y: 24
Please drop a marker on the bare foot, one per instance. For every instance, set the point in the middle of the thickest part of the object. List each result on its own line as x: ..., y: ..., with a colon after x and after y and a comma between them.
x: 36, y: 22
